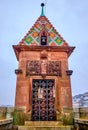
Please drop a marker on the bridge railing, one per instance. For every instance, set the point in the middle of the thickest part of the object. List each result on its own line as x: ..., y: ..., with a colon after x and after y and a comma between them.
x: 6, y: 112
x: 81, y: 112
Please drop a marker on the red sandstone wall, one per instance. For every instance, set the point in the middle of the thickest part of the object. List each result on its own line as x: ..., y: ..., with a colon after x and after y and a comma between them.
x: 24, y: 83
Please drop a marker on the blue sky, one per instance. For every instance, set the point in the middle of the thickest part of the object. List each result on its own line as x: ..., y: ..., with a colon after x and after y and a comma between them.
x: 69, y: 17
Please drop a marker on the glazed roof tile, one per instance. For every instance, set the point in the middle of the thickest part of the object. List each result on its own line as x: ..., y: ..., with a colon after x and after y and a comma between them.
x: 42, y: 23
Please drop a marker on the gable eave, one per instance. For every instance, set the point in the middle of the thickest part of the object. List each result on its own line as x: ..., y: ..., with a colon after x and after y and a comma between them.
x: 19, y: 48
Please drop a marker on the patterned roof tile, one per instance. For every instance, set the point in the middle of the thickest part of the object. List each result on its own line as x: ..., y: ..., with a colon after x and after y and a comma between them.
x: 32, y: 37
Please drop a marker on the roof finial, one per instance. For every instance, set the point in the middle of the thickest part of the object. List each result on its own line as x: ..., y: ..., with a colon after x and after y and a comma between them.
x: 42, y: 12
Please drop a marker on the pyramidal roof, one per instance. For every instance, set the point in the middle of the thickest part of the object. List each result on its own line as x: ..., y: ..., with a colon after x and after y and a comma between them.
x: 42, y: 23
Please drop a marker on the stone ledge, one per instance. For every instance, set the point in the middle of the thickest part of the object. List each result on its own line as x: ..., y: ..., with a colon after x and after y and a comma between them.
x: 6, y: 121
x: 81, y: 121
x: 43, y: 123
x: 44, y: 128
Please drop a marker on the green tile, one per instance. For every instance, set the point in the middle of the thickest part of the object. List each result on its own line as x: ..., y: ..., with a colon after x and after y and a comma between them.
x: 28, y: 39
x: 59, y: 41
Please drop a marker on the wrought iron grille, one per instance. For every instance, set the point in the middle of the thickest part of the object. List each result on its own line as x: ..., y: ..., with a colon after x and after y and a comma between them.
x: 43, y: 100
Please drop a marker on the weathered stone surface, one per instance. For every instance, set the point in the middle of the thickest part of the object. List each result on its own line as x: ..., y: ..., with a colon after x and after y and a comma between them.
x: 44, y: 128
x: 6, y: 124
x: 43, y: 123
x: 62, y: 83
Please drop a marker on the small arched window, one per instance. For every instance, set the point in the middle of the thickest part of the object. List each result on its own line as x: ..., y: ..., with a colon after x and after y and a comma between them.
x: 43, y: 39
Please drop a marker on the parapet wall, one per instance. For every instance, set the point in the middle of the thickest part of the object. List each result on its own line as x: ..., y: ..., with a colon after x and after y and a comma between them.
x: 81, y: 112
x: 6, y: 112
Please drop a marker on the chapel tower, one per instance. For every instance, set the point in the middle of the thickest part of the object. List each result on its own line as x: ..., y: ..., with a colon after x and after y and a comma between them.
x: 43, y: 76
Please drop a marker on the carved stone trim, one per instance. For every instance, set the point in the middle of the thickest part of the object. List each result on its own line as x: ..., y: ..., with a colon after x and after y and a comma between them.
x: 54, y: 68
x: 48, y: 68
x: 43, y: 54
x: 69, y: 72
x: 33, y: 68
x: 18, y: 71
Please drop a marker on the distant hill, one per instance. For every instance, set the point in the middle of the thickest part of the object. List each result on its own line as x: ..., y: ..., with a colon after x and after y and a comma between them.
x: 80, y: 100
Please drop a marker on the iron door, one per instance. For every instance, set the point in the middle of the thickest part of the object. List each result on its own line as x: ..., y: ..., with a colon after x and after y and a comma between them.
x: 43, y: 100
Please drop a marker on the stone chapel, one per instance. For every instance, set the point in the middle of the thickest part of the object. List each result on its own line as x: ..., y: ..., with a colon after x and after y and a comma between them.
x: 43, y: 83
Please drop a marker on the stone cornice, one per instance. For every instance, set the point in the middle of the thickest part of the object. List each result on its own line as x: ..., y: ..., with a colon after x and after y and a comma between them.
x: 19, y: 48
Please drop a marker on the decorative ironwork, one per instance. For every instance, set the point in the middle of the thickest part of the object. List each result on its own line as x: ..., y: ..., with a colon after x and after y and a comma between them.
x: 43, y: 100
x: 43, y: 68
x: 54, y: 68
x: 33, y: 68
